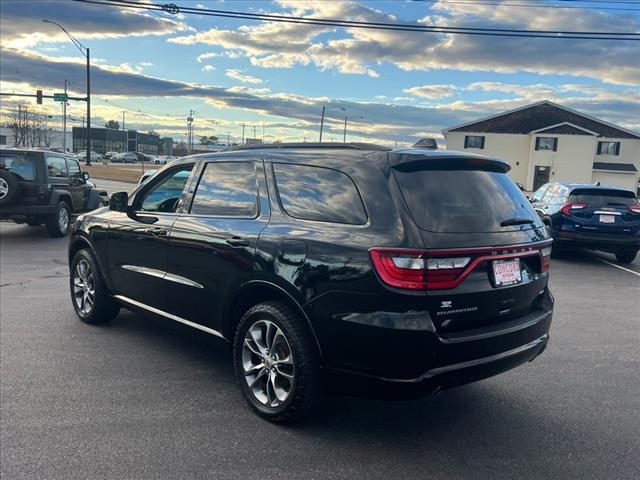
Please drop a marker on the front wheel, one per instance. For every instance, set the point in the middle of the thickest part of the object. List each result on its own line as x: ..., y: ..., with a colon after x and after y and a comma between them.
x: 627, y: 256
x: 276, y: 362
x: 58, y: 224
x: 89, y: 294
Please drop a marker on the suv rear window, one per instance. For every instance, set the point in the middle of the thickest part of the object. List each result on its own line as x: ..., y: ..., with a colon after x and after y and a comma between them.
x: 463, y: 201
x: 603, y: 197
x: 22, y: 166
x: 319, y: 193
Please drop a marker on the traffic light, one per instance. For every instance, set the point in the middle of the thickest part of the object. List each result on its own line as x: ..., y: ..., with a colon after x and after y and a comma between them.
x: 39, y: 97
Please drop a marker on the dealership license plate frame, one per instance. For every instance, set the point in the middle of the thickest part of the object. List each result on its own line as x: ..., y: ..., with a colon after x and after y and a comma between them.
x: 506, y: 279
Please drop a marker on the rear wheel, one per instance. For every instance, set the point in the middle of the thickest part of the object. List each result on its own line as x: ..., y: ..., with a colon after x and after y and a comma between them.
x: 9, y: 187
x: 627, y: 256
x: 89, y: 294
x: 58, y: 224
x: 276, y: 362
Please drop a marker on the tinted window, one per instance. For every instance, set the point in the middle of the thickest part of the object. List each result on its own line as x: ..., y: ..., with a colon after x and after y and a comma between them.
x: 74, y: 168
x: 22, y: 166
x: 227, y: 189
x: 463, y: 201
x: 603, y: 197
x: 164, y: 194
x: 56, y: 167
x: 317, y: 193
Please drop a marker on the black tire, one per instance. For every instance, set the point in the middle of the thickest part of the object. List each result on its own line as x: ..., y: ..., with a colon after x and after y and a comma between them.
x: 9, y: 187
x: 54, y: 224
x: 304, y: 388
x: 627, y: 256
x: 104, y: 307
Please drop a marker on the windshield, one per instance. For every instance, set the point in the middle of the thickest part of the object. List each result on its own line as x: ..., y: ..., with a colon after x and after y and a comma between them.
x: 603, y: 197
x: 20, y: 165
x: 465, y: 201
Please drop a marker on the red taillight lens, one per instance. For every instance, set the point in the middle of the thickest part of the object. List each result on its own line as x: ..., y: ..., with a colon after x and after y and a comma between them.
x: 412, y: 270
x: 634, y: 208
x: 568, y: 208
x: 545, y: 257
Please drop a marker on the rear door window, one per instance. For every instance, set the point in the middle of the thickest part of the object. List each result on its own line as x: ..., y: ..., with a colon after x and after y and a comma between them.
x: 227, y: 189
x: 57, y: 167
x: 602, y: 196
x: 463, y: 201
x: 319, y: 193
x: 22, y: 166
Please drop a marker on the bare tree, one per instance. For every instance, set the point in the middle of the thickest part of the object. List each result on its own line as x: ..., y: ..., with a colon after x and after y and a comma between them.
x: 30, y: 129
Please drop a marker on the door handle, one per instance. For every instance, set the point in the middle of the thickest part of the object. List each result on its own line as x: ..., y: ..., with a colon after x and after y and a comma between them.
x: 157, y: 231
x: 237, y: 242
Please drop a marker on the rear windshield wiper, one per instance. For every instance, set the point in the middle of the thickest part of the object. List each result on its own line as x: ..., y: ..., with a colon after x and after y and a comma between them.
x: 516, y: 221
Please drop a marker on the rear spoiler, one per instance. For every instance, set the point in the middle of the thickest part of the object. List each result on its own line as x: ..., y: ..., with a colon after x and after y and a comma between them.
x: 414, y: 162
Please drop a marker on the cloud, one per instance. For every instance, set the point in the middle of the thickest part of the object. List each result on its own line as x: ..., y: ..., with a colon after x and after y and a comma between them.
x: 22, y: 26
x: 382, y: 122
x: 355, y: 51
x: 206, y: 56
x: 431, y: 91
x: 238, y: 75
x: 208, y: 68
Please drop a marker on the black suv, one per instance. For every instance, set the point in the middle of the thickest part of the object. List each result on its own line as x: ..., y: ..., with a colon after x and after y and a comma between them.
x: 599, y: 217
x: 39, y: 187
x: 386, y: 272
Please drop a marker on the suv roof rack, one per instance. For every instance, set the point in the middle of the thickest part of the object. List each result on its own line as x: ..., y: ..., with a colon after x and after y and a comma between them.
x: 327, y: 145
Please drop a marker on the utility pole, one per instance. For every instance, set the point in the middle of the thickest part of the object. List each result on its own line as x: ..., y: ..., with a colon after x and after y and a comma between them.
x: 190, y: 131
x: 243, y: 125
x: 88, y: 158
x: 254, y: 132
x: 228, y: 142
x: 262, y: 132
x: 321, y: 123
x: 344, y: 135
x: 64, y: 121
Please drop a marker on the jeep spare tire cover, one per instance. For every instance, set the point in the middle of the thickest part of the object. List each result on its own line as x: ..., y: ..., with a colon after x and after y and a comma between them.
x: 9, y: 187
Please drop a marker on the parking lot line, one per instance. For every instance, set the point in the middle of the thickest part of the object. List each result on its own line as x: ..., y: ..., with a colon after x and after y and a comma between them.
x: 614, y: 265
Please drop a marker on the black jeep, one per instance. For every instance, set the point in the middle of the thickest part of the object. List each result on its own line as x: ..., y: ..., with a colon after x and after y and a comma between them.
x: 42, y: 187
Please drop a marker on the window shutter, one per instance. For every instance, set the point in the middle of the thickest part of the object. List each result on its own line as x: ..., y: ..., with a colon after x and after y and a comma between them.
x: 482, y: 144
x: 617, y: 148
x: 466, y: 141
x: 537, y: 143
x: 555, y: 144
x: 599, y: 148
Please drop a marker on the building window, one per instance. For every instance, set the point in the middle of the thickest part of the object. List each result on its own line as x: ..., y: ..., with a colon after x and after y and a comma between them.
x: 609, y: 148
x: 547, y: 143
x: 474, y: 141
x: 3, y: 139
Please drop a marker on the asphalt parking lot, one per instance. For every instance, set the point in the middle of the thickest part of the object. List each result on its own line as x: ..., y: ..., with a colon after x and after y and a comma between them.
x: 141, y: 398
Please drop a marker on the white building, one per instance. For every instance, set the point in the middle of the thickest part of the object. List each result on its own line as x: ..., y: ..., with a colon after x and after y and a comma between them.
x: 7, y: 139
x: 546, y: 142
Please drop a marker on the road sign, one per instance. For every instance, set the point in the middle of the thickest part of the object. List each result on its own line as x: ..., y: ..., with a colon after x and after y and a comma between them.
x: 60, y: 97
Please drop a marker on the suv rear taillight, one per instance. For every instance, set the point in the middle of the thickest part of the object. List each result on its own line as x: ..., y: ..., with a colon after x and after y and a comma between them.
x: 444, y: 269
x: 567, y: 208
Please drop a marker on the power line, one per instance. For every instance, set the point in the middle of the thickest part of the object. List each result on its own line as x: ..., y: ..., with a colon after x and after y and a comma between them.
x: 377, y: 25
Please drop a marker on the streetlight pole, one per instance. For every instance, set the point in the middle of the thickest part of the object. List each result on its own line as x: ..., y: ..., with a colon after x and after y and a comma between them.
x: 344, y: 134
x: 64, y: 121
x: 87, y: 55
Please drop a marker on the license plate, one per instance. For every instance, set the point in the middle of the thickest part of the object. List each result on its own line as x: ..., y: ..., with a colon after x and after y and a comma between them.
x: 607, y: 219
x: 507, y: 272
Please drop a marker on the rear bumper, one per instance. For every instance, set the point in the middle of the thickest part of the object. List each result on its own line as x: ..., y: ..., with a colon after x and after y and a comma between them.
x: 596, y: 241
x: 17, y: 211
x: 409, y: 357
x: 436, y: 379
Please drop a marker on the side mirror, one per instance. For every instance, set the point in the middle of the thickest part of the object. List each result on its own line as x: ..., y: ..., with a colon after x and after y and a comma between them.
x: 119, y: 202
x: 86, y: 176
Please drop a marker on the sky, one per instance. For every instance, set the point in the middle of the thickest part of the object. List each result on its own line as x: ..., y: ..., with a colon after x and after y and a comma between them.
x: 392, y: 86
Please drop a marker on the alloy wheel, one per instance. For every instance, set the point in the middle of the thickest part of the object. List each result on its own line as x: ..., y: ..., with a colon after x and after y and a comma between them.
x: 4, y: 188
x: 84, y: 289
x: 63, y: 220
x: 267, y: 363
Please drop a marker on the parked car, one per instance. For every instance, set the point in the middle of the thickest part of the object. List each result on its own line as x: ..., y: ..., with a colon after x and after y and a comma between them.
x: 392, y: 273
x: 164, y: 159
x: 42, y: 187
x: 95, y: 157
x: 128, y: 157
x: 110, y: 156
x: 592, y: 216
